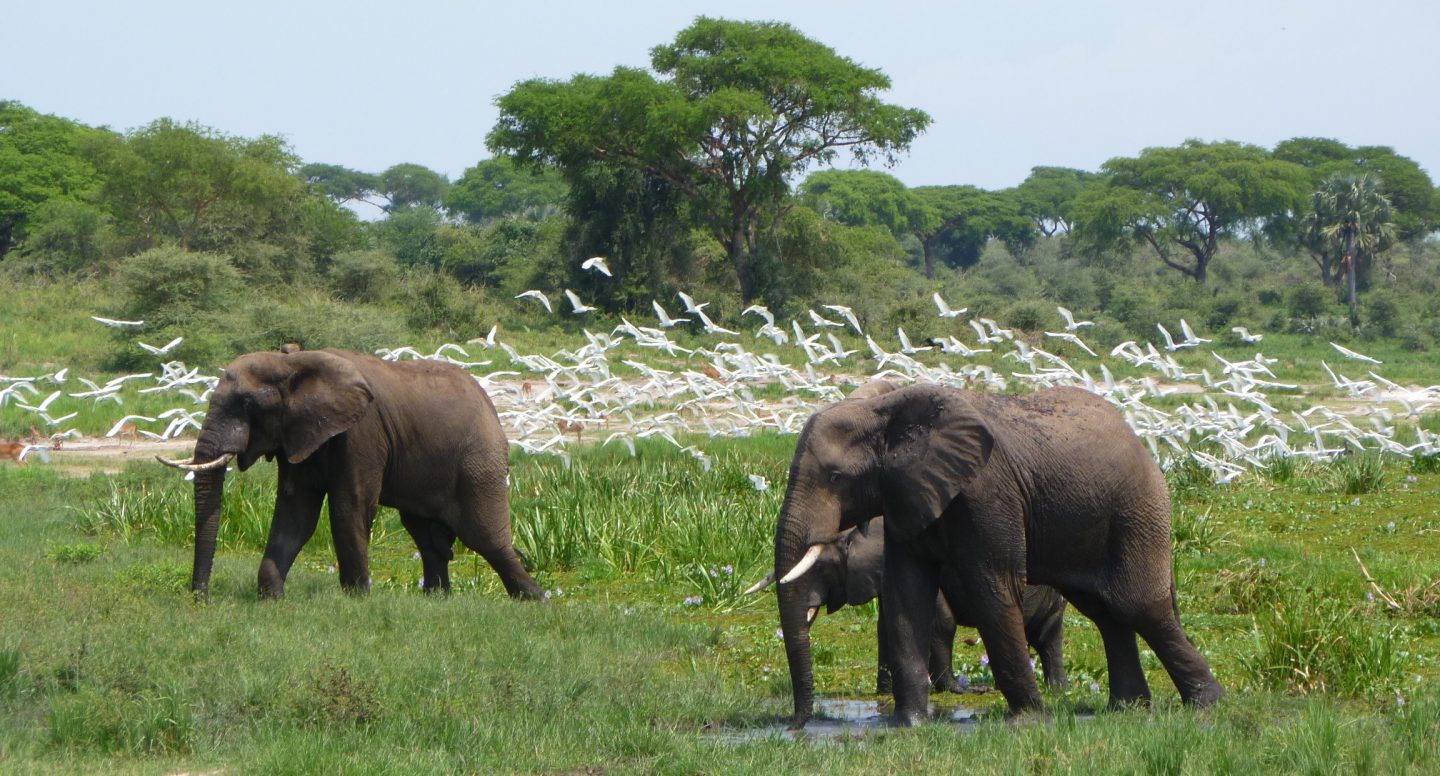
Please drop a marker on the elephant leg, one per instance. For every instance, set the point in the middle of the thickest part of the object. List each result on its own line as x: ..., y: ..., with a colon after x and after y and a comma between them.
x: 1122, y: 655
x: 884, y: 679
x: 484, y: 526
x: 436, y: 542
x: 1002, y: 627
x: 1046, y: 633
x: 942, y: 650
x: 1188, y: 669
x: 352, y: 514
x: 910, y: 587
x: 297, y: 511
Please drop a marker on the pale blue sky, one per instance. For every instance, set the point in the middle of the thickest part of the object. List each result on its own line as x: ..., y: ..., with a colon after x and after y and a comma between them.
x: 1010, y: 85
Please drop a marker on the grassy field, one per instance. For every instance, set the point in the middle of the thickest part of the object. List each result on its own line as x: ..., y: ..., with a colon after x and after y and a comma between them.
x: 107, y: 666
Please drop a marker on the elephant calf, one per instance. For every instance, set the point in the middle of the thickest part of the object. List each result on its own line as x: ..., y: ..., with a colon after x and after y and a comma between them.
x: 849, y: 571
x: 419, y: 436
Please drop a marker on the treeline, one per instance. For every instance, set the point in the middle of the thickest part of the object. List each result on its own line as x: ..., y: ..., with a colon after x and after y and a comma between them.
x: 707, y: 173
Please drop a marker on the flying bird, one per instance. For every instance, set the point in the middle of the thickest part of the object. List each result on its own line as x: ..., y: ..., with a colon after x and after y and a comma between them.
x: 538, y: 296
x: 710, y: 326
x: 762, y: 311
x: 944, y: 307
x: 1070, y: 337
x: 1346, y: 352
x: 579, y: 306
x: 1245, y: 335
x: 690, y: 306
x: 1070, y: 323
x: 163, y: 349
x: 112, y: 323
x: 822, y: 321
x: 665, y: 320
x: 847, y: 314
x: 598, y: 264
x: 905, y: 346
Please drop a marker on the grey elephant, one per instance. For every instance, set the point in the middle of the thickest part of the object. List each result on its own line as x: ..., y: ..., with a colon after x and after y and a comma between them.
x: 419, y: 436
x: 1049, y: 488
x: 849, y: 572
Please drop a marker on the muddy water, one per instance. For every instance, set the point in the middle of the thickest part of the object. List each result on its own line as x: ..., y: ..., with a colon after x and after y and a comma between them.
x: 838, y: 718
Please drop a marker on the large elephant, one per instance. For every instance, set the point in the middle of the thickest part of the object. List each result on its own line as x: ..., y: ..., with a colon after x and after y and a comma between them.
x: 1050, y: 488
x: 419, y: 436
x: 849, y: 572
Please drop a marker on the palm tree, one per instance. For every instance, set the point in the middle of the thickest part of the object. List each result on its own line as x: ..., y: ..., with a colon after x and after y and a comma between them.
x: 1351, y: 213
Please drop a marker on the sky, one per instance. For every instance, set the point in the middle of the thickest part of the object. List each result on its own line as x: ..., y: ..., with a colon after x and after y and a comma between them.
x: 1008, y: 85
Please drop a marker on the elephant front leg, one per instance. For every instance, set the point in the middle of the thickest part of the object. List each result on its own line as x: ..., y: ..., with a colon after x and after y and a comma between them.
x: 436, y: 542
x: 297, y: 511
x: 942, y: 650
x: 909, y: 594
x: 350, y: 521
x: 1002, y: 628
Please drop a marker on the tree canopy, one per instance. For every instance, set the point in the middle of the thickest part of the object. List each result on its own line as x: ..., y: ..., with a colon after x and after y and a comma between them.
x: 732, y: 113
x: 1048, y: 196
x: 41, y: 160
x: 495, y: 188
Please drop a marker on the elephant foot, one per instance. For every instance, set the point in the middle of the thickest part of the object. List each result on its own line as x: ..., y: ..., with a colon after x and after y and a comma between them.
x: 907, y: 719
x: 1206, y: 696
x: 951, y: 683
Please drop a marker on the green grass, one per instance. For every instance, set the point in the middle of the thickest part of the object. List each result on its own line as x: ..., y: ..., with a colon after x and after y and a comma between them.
x: 107, y: 666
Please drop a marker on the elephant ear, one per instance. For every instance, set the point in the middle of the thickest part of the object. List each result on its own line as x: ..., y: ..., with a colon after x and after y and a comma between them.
x: 327, y: 395
x: 935, y: 442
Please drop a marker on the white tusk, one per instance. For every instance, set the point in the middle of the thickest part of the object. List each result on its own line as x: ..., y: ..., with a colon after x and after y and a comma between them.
x: 761, y: 585
x: 810, y: 614
x: 190, y: 466
x: 811, y: 555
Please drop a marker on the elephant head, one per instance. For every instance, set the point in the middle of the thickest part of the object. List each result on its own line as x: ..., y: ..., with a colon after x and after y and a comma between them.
x: 267, y: 404
x: 905, y: 454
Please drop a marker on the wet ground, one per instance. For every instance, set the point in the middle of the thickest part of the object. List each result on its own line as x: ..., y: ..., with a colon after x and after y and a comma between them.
x: 839, y: 718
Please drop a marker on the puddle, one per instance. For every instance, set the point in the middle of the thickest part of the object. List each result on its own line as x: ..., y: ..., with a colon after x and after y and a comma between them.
x: 839, y: 718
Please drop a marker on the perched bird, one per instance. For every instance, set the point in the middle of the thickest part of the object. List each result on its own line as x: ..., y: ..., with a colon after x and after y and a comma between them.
x: 112, y: 323
x: 1245, y: 335
x: 1346, y: 352
x: 944, y: 307
x: 1070, y: 323
x: 598, y: 264
x: 665, y: 320
x: 538, y: 296
x: 163, y: 349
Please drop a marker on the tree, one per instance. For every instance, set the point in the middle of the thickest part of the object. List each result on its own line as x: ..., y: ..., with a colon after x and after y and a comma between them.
x: 1184, y: 200
x: 41, y: 159
x: 495, y: 188
x: 201, y: 189
x: 864, y: 198
x: 407, y: 185
x: 341, y: 184
x: 1410, y: 191
x: 742, y: 109
x: 1351, y: 211
x: 1048, y: 196
x: 959, y: 220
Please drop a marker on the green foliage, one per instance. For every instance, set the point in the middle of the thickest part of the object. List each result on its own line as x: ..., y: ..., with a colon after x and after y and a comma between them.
x: 435, y: 300
x: 65, y: 235
x: 865, y: 198
x: 1308, y: 300
x: 363, y: 276
x: 76, y: 552
x: 42, y: 159
x: 1048, y: 195
x: 170, y: 285
x: 497, y: 188
x: 410, y: 234
x: 315, y: 321
x: 410, y: 186
x: 1306, y: 645
x: 1030, y: 315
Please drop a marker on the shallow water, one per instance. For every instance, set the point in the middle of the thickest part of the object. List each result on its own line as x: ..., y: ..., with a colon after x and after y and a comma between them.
x: 838, y: 718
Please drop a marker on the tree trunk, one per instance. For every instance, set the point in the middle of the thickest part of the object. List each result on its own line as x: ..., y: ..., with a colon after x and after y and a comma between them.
x: 1350, y: 276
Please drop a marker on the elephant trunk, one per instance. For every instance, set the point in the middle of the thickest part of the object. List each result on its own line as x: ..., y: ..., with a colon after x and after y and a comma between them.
x: 209, y: 487
x: 793, y: 541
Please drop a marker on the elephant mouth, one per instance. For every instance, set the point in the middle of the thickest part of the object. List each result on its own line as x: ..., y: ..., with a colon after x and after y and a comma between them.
x: 194, y: 466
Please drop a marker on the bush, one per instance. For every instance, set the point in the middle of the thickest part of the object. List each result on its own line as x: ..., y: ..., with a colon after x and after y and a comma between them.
x: 1031, y: 315
x: 363, y: 276
x: 1383, y: 314
x: 1308, y: 300
x: 315, y: 322
x: 168, y: 286
x: 435, y: 300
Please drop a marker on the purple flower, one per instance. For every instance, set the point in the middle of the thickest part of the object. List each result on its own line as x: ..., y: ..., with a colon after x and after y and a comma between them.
x: 728, y: 569
x: 964, y: 681
x: 1094, y: 687
x: 692, y: 600
x: 984, y: 660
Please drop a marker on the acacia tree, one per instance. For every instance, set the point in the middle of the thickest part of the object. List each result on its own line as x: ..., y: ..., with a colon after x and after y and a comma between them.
x: 1351, y: 212
x: 41, y: 160
x: 1048, y: 196
x: 737, y: 111
x: 495, y: 188
x: 1182, y: 201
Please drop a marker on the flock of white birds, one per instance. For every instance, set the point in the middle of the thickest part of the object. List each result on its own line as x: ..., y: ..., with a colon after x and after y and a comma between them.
x: 634, y: 381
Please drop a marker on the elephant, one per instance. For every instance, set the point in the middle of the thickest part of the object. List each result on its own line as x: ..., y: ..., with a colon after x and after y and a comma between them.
x: 1046, y: 488
x: 849, y: 571
x: 420, y: 436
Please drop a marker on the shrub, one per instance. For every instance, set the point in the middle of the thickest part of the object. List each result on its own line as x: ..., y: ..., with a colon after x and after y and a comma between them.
x: 315, y: 322
x: 168, y: 286
x: 1307, y: 300
x: 1031, y: 315
x: 363, y: 276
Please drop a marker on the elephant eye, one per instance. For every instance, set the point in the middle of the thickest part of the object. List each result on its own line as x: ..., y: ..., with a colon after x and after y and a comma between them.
x: 836, y: 476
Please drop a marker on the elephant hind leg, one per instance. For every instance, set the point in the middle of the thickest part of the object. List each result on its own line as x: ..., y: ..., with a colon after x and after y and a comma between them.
x: 436, y: 542
x: 1122, y: 654
x: 484, y: 526
x: 1188, y: 669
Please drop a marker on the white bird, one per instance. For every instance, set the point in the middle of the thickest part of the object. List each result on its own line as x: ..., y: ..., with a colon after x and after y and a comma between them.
x: 1245, y: 335
x: 905, y: 346
x: 538, y: 296
x: 760, y: 483
x: 163, y: 349
x: 1170, y: 343
x: 944, y: 307
x: 848, y: 315
x: 121, y: 423
x: 1346, y: 352
x: 665, y: 320
x: 579, y: 306
x: 598, y: 264
x: 984, y: 338
x: 690, y: 306
x: 710, y: 326
x: 1190, y: 337
x: 488, y: 340
x: 1070, y: 337
x: 112, y: 323
x: 762, y: 311
x: 1070, y: 323
x: 822, y: 321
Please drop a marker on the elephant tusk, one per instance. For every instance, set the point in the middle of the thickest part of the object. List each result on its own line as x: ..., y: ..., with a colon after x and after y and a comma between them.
x: 810, y: 614
x: 191, y: 466
x: 761, y: 585
x: 811, y: 555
